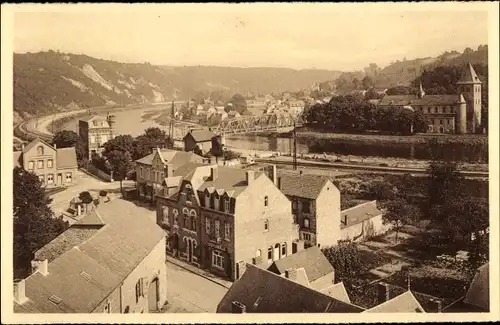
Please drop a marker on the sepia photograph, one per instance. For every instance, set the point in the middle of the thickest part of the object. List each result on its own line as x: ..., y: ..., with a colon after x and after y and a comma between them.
x: 255, y: 158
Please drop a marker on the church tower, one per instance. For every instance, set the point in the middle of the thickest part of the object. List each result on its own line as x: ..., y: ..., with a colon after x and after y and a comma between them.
x: 469, y: 86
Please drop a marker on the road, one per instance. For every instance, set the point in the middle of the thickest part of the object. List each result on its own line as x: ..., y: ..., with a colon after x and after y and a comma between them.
x: 191, y: 293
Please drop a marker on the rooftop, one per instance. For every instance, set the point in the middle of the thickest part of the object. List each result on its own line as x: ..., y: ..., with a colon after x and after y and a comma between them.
x: 337, y: 291
x: 305, y: 186
x: 107, y: 257
x: 173, y: 157
x: 478, y: 294
x: 311, y: 259
x: 359, y: 213
x: 201, y: 135
x: 404, y: 303
x: 66, y: 158
x: 412, y: 100
x: 469, y: 76
x: 261, y: 291
x: 231, y: 180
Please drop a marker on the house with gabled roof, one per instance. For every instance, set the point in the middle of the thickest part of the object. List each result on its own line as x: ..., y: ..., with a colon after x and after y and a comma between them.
x: 53, y: 166
x: 401, y: 303
x: 220, y: 218
x: 477, y: 297
x: 201, y: 139
x: 110, y: 261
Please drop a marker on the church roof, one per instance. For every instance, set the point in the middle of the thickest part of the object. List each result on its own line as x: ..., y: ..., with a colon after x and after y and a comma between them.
x: 469, y: 76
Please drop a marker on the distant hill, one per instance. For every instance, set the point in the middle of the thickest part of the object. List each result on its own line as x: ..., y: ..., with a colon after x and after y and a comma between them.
x: 50, y: 81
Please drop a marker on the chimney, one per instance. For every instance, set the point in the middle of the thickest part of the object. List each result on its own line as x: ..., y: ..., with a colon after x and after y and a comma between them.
x: 169, y: 172
x: 40, y: 266
x: 383, y: 292
x: 20, y: 291
x: 250, y: 176
x: 214, y: 173
x: 278, y: 183
x: 439, y: 305
x: 272, y: 175
x: 297, y: 246
x: 291, y: 274
x: 238, y: 308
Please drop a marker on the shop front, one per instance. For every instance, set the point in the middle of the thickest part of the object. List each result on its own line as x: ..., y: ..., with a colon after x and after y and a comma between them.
x: 218, y: 260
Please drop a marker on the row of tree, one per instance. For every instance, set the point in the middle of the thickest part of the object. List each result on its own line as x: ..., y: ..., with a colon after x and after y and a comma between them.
x: 354, y: 114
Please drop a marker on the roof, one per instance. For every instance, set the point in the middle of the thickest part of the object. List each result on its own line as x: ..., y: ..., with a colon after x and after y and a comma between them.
x: 33, y: 143
x: 107, y: 258
x: 229, y: 179
x: 312, y: 260
x: 305, y: 186
x: 469, y: 76
x: 337, y: 291
x: 360, y: 213
x: 173, y: 157
x: 201, y: 135
x: 404, y: 303
x: 17, y: 159
x: 479, y: 291
x: 427, y: 100
x: 66, y: 158
x: 262, y: 291
x: 91, y: 117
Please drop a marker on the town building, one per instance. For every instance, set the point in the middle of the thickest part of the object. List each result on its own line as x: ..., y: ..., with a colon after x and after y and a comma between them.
x: 309, y: 267
x: 477, y: 298
x: 111, y: 261
x: 152, y: 170
x: 218, y: 218
x: 53, y: 166
x: 95, y: 131
x: 451, y: 113
x: 362, y: 221
x: 201, y: 139
x: 315, y: 203
x: 262, y: 291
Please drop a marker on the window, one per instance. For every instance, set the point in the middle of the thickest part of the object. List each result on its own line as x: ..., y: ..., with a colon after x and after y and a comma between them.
x: 139, y: 289
x: 165, y: 215
x: 69, y: 177
x: 95, y: 123
x: 176, y: 217
x: 217, y: 228
x: 104, y: 138
x: 31, y: 165
x: 294, y: 205
x: 92, y: 139
x: 39, y: 164
x: 306, y: 222
x: 50, y: 178
x: 207, y: 200
x: 258, y: 253
x: 39, y: 151
x: 306, y: 236
x: 227, y: 231
x: 217, y: 260
x: 306, y: 207
x: 50, y: 163
x: 270, y: 254
x: 141, y: 172
x: 185, y: 212
x: 441, y: 122
x: 283, y: 250
x: 226, y: 205
x: 266, y: 225
x: 208, y: 226
x: 266, y: 201
x: 294, y: 218
x: 193, y: 220
x: 107, y: 307
x: 216, y: 202
x: 41, y: 178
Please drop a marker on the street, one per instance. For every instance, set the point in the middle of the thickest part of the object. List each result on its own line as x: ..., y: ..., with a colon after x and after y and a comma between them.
x: 190, y: 293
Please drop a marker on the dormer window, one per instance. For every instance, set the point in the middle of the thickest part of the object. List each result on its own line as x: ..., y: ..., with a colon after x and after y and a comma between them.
x: 40, y: 150
x: 306, y: 223
x: 227, y: 205
x: 216, y: 202
x: 207, y: 200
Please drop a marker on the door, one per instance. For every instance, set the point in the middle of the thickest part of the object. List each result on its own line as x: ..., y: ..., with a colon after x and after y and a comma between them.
x: 190, y: 250
x: 276, y: 255
x: 153, y: 297
x: 59, y: 179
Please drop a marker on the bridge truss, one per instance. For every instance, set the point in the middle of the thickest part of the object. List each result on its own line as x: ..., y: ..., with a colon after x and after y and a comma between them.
x: 262, y: 123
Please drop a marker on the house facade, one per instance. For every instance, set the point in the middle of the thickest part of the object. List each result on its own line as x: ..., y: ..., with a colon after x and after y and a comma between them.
x: 201, y: 139
x: 111, y: 261
x: 315, y: 203
x: 152, y: 170
x: 54, y: 167
x: 362, y: 222
x: 221, y: 218
x: 95, y: 131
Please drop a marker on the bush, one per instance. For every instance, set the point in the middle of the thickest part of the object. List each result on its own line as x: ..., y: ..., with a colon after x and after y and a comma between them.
x: 103, y: 193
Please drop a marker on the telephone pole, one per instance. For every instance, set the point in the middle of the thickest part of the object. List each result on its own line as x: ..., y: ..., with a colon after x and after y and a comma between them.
x: 294, y: 147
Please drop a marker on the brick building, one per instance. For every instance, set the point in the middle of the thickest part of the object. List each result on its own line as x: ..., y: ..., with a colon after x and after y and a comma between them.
x: 95, y: 131
x: 54, y: 167
x: 218, y: 218
x: 111, y: 261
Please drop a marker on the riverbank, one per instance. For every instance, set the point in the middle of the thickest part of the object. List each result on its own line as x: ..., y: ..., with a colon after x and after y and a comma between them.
x: 356, y: 160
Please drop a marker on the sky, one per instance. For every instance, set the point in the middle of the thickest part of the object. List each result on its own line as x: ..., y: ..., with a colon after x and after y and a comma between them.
x: 303, y: 36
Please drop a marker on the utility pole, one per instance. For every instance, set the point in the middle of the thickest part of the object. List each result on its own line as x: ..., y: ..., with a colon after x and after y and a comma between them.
x: 294, y: 147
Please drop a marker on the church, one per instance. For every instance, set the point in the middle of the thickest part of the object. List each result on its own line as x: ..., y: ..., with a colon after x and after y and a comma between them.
x: 454, y: 113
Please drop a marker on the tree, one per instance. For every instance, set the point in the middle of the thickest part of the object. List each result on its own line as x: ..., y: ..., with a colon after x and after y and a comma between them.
x: 153, y: 137
x: 121, y: 164
x: 67, y: 139
x: 419, y: 122
x: 238, y: 103
x: 86, y: 199
x: 367, y: 82
x: 34, y: 221
x: 122, y: 143
x: 345, y: 259
x: 399, y: 213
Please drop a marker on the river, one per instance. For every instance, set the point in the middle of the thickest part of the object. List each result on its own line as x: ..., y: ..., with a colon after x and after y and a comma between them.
x: 132, y: 122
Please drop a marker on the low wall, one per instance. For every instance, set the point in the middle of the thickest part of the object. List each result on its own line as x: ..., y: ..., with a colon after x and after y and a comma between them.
x: 91, y: 169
